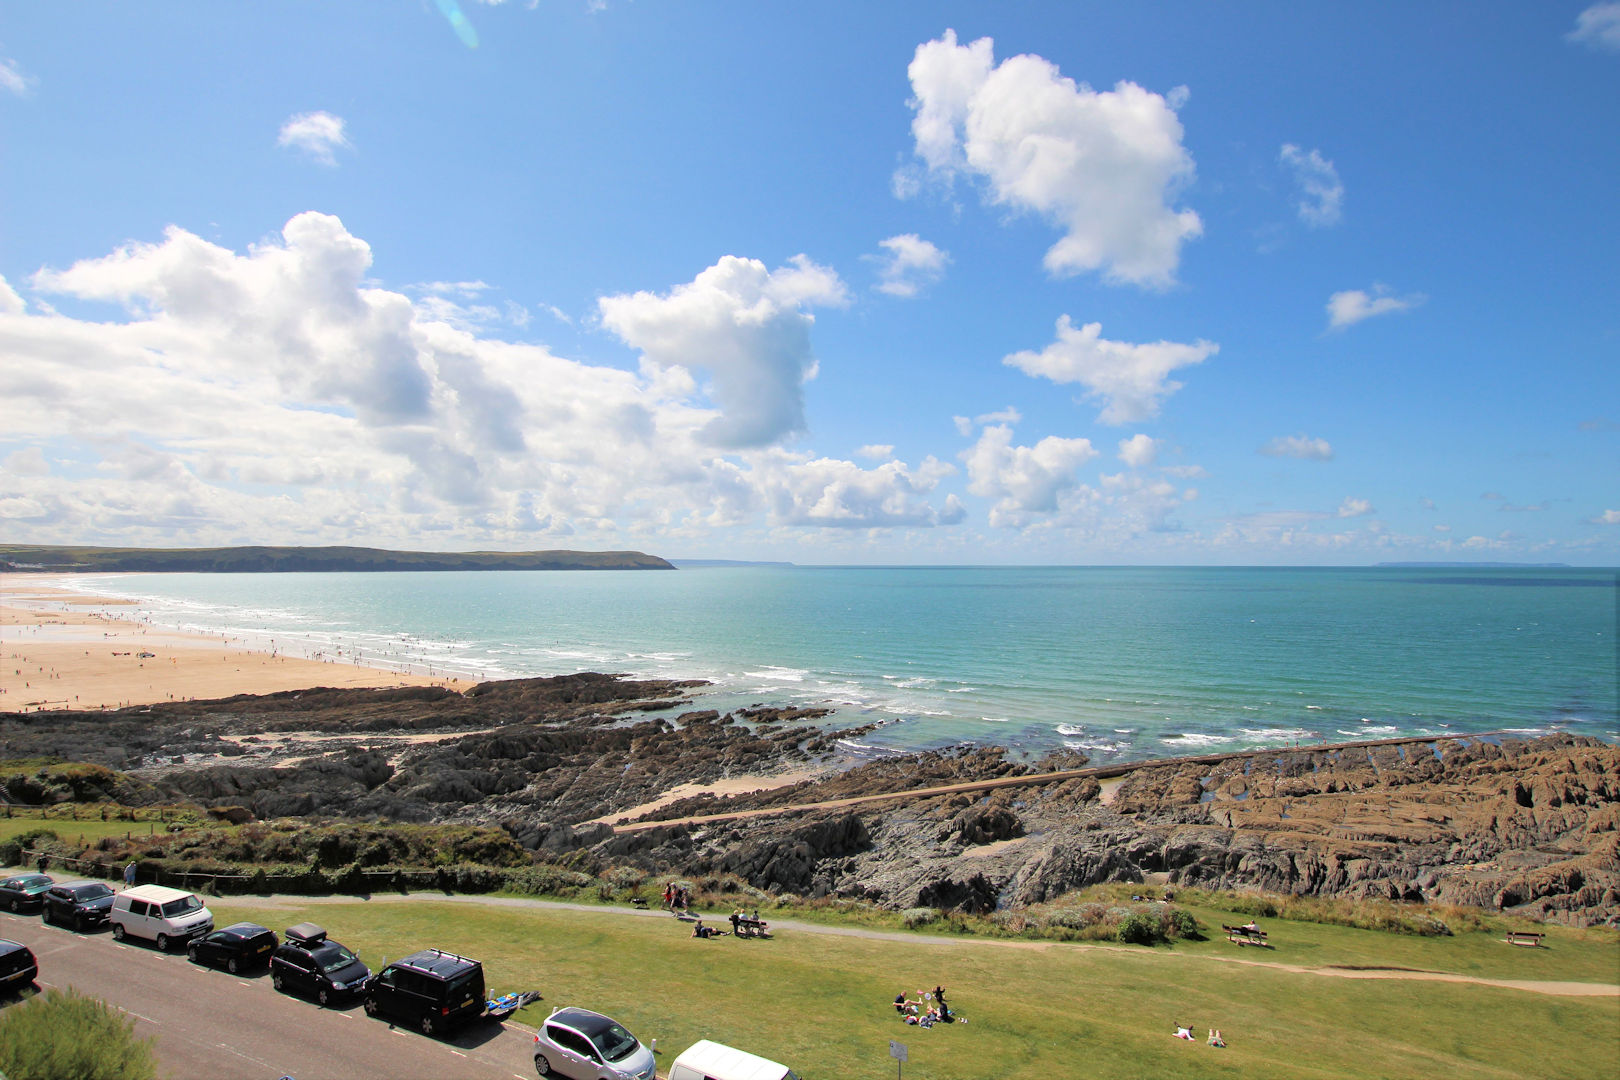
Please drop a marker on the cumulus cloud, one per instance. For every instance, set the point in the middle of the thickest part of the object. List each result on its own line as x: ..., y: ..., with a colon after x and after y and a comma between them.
x: 1025, y: 481
x: 1598, y: 27
x: 910, y: 265
x: 1608, y: 517
x: 1354, y: 305
x: 1352, y: 507
x: 1104, y: 167
x: 12, y: 78
x: 876, y: 451
x: 10, y: 302
x: 1139, y: 451
x: 1128, y: 380
x: 965, y: 425
x: 282, y: 395
x: 318, y: 134
x: 1321, y: 193
x: 748, y: 328
x: 1298, y: 446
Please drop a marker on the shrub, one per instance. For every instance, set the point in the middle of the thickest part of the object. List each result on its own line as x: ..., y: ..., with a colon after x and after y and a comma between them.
x: 1178, y: 923
x: 65, y: 1033
x: 918, y: 916
x: 1139, y: 928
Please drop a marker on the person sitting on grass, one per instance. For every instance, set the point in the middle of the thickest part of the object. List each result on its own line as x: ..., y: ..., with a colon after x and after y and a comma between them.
x: 1215, y: 1037
x: 701, y: 931
x: 900, y: 1002
x: 1184, y: 1031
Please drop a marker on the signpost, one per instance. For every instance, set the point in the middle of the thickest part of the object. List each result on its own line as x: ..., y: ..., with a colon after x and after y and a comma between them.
x: 897, y: 1050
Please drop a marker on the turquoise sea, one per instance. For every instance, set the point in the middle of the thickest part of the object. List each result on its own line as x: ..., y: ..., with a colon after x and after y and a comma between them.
x: 1119, y: 662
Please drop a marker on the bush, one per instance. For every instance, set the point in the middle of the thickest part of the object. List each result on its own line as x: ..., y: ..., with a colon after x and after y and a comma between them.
x: 1140, y: 928
x: 1179, y: 923
x: 65, y: 1034
x: 918, y: 916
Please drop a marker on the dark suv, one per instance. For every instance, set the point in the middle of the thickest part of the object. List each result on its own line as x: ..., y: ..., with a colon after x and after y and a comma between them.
x: 311, y: 964
x: 431, y: 990
x: 18, y: 968
x: 80, y: 904
x: 238, y: 946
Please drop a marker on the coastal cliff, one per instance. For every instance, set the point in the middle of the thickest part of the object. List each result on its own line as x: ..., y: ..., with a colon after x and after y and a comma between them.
x: 261, y: 559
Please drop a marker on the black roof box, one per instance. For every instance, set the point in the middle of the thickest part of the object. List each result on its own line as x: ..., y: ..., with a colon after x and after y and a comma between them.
x: 306, y: 934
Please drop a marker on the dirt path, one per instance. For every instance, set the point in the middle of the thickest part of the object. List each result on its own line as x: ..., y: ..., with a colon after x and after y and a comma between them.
x: 1100, y: 772
x: 1560, y: 989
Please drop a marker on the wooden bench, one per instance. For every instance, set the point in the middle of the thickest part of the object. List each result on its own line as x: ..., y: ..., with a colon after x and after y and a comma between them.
x: 747, y: 927
x: 1245, y: 935
x: 1525, y: 937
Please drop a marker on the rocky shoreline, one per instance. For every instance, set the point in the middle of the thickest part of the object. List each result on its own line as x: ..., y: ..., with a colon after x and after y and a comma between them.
x: 1524, y: 826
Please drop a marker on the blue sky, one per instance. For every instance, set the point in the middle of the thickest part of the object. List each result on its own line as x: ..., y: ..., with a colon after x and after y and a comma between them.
x: 942, y: 283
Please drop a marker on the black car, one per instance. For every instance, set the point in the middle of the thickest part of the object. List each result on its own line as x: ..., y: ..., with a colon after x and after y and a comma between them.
x: 431, y: 990
x: 311, y: 964
x: 24, y: 891
x: 237, y: 947
x: 80, y: 904
x: 18, y: 968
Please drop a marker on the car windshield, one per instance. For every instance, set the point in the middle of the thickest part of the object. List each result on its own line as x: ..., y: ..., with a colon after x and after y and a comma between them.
x: 91, y: 892
x: 183, y: 906
x: 615, y: 1043
x: 28, y: 881
x: 335, y: 958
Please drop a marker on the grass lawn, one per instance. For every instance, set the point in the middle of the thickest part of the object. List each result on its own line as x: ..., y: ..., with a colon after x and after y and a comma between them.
x: 1034, y: 1010
x: 90, y: 827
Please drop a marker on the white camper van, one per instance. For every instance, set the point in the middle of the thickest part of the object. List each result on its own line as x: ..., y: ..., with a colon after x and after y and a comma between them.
x: 711, y: 1061
x: 159, y: 914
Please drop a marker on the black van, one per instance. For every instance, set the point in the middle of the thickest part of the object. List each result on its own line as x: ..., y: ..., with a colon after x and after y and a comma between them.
x: 431, y: 990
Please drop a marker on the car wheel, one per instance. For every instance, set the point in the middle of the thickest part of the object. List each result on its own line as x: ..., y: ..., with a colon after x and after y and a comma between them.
x: 322, y: 996
x: 118, y: 931
x: 277, y: 981
x: 371, y: 1007
x: 232, y: 964
x: 163, y: 943
x: 429, y: 1025
x: 191, y: 953
x: 16, y: 905
x: 541, y: 1065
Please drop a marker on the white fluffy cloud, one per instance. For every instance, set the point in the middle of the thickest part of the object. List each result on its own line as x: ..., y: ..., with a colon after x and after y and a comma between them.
x: 745, y: 326
x: 280, y: 395
x: 1353, y: 507
x: 910, y: 265
x: 10, y: 302
x: 1608, y: 517
x: 1129, y: 380
x: 1298, y: 446
x: 1598, y: 27
x: 1139, y: 451
x: 318, y: 134
x: 1025, y: 481
x: 1321, y: 193
x: 1105, y: 167
x: 1354, y: 305
x: 12, y: 78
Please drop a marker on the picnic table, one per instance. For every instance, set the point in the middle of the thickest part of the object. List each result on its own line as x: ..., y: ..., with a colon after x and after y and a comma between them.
x: 751, y: 926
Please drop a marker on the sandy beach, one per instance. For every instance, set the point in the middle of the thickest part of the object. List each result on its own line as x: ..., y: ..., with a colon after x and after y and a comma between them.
x: 64, y: 649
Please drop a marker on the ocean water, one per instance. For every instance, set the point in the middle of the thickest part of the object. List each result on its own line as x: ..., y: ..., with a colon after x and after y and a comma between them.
x: 1122, y: 663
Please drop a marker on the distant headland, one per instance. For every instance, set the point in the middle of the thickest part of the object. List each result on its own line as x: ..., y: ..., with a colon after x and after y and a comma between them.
x: 259, y: 560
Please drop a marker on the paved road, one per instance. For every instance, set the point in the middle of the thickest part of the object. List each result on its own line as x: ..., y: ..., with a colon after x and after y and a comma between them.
x: 211, y: 1025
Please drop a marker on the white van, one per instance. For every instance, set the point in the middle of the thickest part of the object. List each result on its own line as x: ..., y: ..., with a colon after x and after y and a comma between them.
x: 159, y: 914
x: 712, y: 1061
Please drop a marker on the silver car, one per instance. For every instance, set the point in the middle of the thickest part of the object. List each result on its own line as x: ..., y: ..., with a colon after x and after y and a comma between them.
x: 582, y: 1045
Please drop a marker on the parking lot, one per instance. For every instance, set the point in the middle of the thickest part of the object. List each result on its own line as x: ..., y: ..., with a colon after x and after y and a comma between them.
x: 207, y: 1023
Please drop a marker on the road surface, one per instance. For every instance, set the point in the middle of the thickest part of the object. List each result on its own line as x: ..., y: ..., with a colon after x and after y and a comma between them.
x: 211, y: 1025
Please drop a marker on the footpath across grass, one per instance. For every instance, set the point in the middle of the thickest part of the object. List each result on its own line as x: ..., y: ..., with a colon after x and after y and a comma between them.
x: 1033, y: 1010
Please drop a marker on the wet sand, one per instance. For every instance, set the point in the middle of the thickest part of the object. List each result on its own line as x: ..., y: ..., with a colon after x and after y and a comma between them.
x: 63, y: 649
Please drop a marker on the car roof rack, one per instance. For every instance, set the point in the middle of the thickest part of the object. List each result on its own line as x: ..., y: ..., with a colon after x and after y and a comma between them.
x: 307, y: 934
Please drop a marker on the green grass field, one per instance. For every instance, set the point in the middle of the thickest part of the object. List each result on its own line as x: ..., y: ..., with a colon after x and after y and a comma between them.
x: 1034, y: 1010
